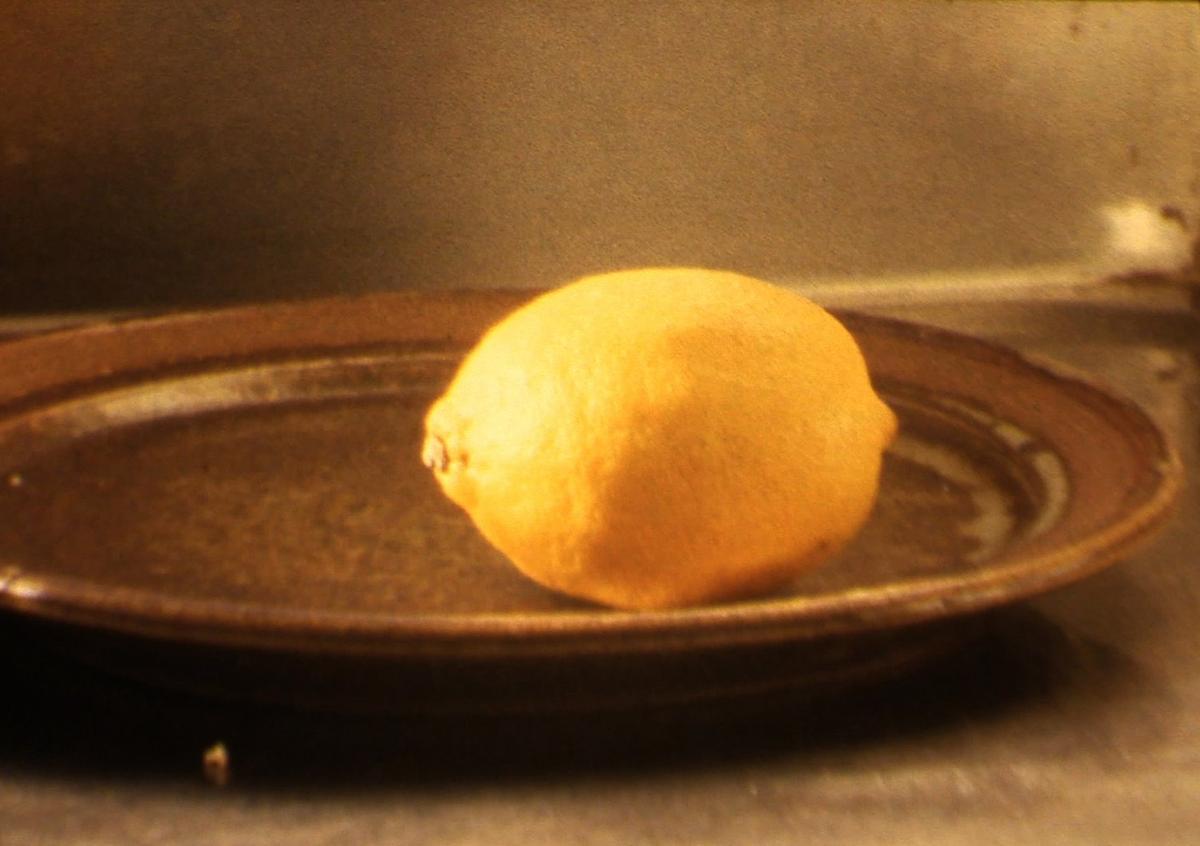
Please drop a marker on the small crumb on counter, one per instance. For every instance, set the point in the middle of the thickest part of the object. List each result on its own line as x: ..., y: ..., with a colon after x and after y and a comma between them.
x: 15, y: 480
x: 216, y: 765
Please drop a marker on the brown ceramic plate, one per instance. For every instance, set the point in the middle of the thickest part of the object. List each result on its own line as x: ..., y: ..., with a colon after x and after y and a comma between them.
x: 233, y: 501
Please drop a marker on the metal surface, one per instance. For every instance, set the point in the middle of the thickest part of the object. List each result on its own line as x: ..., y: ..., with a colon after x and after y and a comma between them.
x: 1069, y: 719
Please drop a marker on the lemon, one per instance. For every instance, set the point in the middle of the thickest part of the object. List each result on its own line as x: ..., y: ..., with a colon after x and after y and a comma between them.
x: 662, y: 437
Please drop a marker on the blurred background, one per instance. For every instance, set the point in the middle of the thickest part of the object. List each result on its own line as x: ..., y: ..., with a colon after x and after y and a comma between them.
x: 199, y: 152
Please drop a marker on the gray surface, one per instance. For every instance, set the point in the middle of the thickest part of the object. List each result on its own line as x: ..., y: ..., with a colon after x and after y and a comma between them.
x: 1072, y: 721
x: 204, y: 150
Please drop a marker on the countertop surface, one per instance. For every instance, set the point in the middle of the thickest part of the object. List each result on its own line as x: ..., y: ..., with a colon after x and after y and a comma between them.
x: 1069, y: 720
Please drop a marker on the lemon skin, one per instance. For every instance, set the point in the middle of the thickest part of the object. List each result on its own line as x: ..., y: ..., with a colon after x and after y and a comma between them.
x: 663, y: 437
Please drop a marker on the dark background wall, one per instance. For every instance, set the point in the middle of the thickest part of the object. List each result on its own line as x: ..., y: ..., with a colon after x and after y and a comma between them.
x: 191, y: 152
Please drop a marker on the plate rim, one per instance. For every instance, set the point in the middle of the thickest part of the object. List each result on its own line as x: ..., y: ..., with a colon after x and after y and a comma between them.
x: 876, y: 607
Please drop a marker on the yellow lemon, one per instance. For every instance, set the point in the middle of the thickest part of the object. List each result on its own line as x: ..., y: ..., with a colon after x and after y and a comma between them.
x: 662, y: 437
